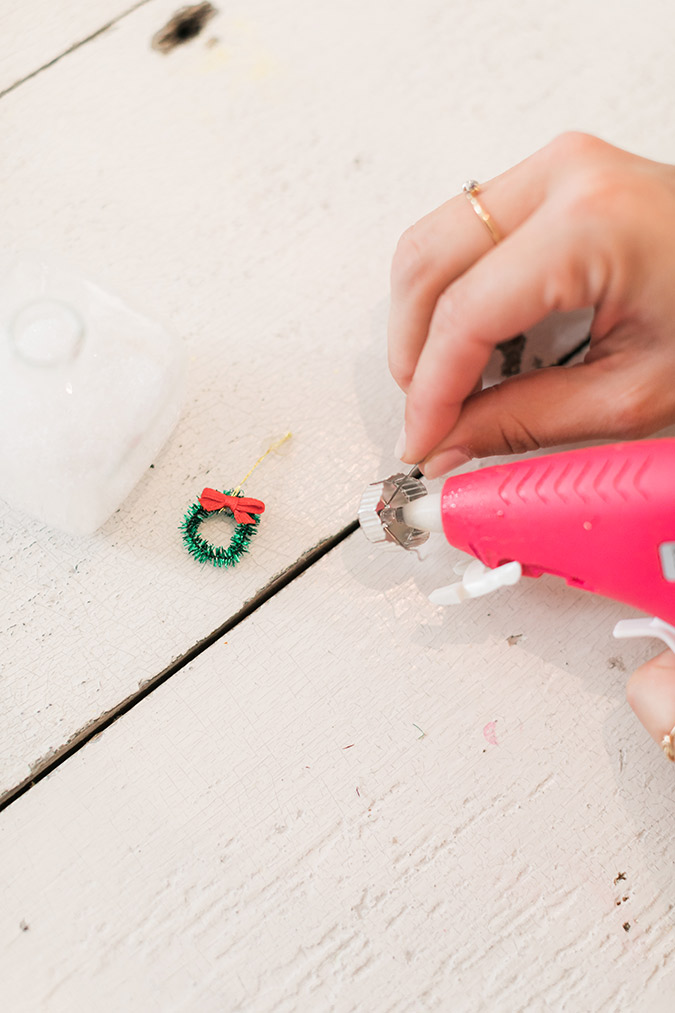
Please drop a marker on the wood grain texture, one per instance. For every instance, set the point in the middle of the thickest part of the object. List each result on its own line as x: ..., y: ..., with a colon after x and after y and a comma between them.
x: 359, y: 802
x: 250, y: 191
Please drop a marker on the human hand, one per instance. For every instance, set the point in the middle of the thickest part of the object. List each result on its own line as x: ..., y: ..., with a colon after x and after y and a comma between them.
x: 585, y: 224
x: 651, y: 694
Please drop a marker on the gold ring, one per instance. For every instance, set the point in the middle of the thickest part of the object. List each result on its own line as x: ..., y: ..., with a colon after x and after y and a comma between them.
x: 471, y: 188
x: 668, y: 744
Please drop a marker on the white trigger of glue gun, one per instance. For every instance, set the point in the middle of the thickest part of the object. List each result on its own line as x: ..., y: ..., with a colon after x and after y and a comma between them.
x: 477, y: 580
x: 644, y: 627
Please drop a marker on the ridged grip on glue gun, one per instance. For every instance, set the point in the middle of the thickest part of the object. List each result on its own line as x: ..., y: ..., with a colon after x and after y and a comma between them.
x: 603, y: 518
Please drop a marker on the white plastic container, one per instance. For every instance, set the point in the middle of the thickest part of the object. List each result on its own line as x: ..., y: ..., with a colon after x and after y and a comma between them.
x: 90, y: 389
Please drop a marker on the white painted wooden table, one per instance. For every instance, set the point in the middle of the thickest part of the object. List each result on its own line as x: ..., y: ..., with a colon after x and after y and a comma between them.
x: 351, y: 800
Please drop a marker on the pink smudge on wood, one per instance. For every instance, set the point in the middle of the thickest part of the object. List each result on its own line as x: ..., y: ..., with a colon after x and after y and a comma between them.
x: 490, y: 733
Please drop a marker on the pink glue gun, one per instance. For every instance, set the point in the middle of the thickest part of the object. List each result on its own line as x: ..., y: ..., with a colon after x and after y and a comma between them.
x: 602, y: 518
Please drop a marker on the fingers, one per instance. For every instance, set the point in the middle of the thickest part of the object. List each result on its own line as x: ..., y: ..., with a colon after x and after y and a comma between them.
x: 540, y: 409
x: 443, y: 245
x: 424, y: 264
x: 543, y: 266
x: 651, y: 694
x: 613, y: 395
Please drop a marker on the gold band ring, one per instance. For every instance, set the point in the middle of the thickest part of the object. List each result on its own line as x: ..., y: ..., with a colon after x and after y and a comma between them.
x: 668, y: 744
x: 471, y: 188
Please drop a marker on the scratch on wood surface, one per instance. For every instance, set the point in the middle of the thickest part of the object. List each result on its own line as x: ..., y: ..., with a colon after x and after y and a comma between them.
x: 75, y: 45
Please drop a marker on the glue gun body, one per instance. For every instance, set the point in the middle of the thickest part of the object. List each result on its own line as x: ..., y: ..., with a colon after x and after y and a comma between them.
x: 602, y: 518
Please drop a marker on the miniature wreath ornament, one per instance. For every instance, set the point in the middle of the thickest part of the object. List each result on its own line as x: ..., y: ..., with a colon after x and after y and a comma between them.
x: 246, y: 513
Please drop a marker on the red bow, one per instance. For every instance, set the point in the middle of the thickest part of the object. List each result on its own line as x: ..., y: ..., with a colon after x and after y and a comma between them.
x: 241, y: 507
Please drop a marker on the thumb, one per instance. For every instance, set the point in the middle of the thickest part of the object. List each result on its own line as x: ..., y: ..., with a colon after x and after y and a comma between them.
x: 651, y: 694
x: 540, y: 409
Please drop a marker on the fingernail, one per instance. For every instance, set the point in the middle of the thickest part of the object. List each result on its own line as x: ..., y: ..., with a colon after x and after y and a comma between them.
x: 399, y: 449
x: 446, y: 461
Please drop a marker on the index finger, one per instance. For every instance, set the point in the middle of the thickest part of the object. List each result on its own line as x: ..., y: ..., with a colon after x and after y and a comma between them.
x: 447, y: 242
x: 534, y: 271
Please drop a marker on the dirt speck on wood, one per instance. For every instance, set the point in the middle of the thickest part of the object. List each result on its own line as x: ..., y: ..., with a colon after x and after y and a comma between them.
x: 185, y: 25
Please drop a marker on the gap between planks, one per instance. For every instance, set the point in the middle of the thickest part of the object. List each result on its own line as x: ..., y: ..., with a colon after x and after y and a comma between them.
x: 75, y: 45
x: 44, y: 767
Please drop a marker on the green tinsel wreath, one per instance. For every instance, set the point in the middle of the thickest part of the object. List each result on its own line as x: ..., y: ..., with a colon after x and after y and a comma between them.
x: 219, y: 555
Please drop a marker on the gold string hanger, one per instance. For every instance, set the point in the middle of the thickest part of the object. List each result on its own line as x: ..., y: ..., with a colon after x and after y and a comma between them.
x: 274, y: 446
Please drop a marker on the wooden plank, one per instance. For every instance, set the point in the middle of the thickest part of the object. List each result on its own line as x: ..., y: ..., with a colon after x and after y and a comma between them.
x: 359, y: 802
x: 41, y: 33
x: 250, y: 191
